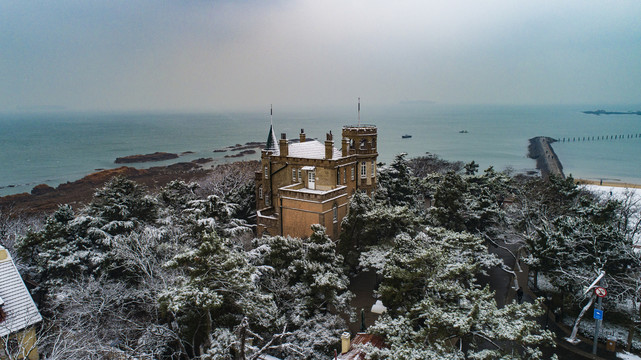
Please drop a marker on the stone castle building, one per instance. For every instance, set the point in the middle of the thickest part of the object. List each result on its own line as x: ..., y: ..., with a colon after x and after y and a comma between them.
x: 305, y: 182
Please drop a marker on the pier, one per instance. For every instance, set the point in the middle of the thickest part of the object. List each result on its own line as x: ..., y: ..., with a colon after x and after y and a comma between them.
x: 546, y: 160
x: 600, y: 137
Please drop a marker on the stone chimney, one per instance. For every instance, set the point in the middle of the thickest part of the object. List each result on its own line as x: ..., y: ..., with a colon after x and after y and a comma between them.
x: 329, y: 146
x: 282, y: 144
x: 345, y: 147
x: 345, y: 342
x: 302, y: 135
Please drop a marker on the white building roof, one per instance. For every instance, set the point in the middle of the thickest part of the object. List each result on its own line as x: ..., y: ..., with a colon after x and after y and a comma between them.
x: 313, y: 149
x: 20, y: 310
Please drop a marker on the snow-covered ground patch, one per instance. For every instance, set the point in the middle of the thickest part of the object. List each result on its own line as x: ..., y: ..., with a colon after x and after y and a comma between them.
x: 608, y: 331
x: 627, y: 356
x: 618, y: 193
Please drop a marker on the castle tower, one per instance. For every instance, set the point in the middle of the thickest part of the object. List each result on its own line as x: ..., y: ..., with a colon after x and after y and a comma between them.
x: 310, y: 182
x: 360, y: 141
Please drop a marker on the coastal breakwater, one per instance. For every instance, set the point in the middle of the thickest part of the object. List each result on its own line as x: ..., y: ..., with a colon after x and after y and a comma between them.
x: 600, y: 137
x: 540, y: 149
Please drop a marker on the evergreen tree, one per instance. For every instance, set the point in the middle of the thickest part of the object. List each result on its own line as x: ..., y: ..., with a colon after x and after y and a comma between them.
x: 217, y: 292
x: 122, y: 205
x: 309, y: 288
x: 370, y: 223
x: 436, y: 309
x: 397, y: 186
x: 68, y: 246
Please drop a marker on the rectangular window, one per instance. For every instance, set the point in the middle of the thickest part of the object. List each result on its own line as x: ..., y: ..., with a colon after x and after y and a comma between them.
x: 260, y: 192
x: 335, y: 213
x: 373, y: 168
x: 338, y: 176
x: 293, y: 175
x: 352, y: 173
x: 345, y: 176
x: 300, y: 178
x: 266, y: 172
x: 363, y: 170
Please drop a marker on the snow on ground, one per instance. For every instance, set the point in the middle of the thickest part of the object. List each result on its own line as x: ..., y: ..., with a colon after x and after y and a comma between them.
x: 617, y: 192
x: 607, y: 331
x: 627, y: 356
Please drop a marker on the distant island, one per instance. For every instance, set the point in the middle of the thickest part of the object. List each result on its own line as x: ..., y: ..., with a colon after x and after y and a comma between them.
x: 605, y: 112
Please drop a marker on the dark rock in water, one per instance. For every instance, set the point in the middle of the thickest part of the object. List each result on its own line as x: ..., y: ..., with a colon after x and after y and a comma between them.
x: 42, y: 189
x: 202, y: 160
x: 220, y: 150
x: 242, y: 153
x: 187, y: 152
x: 157, y: 156
x: 182, y: 166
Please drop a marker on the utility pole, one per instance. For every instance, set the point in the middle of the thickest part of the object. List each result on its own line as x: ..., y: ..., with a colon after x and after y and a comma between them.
x: 598, y: 315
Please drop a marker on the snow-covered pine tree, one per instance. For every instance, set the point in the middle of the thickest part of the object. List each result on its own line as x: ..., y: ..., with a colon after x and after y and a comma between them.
x: 437, y: 309
x: 309, y: 287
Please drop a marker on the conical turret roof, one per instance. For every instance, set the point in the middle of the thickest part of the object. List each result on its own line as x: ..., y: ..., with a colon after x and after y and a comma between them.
x: 272, y: 144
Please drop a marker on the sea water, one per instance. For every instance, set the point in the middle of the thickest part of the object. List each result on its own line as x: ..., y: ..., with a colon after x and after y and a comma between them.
x: 53, y: 148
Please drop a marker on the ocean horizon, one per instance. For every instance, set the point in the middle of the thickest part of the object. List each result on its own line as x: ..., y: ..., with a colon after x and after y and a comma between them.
x: 56, y: 147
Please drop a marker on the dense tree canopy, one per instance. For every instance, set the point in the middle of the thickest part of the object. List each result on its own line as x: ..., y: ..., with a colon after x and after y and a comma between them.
x: 176, y: 274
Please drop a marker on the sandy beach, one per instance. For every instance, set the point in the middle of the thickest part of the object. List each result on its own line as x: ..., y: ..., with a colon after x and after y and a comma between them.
x: 608, y: 183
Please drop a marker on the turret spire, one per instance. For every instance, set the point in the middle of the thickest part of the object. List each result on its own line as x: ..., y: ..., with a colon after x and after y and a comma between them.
x: 271, y: 144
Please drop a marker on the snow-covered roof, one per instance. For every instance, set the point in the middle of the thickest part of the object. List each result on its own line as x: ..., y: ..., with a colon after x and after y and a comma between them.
x: 312, y: 149
x: 20, y: 310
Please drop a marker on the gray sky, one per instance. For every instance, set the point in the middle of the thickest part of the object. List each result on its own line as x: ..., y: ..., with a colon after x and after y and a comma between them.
x: 221, y: 55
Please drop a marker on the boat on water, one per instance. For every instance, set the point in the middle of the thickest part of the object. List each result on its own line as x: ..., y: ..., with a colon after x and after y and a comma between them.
x: 463, y: 132
x: 406, y: 136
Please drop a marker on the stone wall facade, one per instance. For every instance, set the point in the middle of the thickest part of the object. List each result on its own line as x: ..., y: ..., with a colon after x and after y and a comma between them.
x: 307, y: 182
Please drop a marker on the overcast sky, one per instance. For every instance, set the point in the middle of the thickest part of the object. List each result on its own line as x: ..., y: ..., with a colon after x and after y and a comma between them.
x: 213, y: 55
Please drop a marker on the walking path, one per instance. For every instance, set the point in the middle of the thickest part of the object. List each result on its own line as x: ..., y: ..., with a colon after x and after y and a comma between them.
x: 563, y: 350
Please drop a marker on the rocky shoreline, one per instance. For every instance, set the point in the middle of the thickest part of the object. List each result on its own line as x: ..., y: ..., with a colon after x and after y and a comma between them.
x: 157, y: 156
x: 540, y: 149
x: 44, y: 198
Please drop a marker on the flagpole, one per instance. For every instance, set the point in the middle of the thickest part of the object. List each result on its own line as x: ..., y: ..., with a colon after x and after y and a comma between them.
x: 359, y: 111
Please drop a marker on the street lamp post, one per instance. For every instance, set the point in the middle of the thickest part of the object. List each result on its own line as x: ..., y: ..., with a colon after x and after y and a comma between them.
x: 548, y: 299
